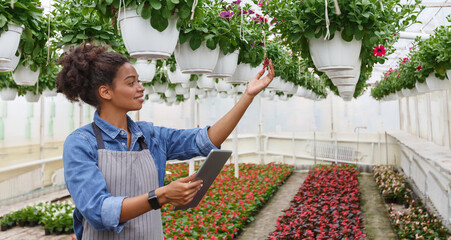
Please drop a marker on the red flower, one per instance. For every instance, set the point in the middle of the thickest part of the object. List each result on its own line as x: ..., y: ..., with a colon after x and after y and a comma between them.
x: 379, y: 51
x: 419, y: 68
x: 404, y: 60
x: 266, y: 62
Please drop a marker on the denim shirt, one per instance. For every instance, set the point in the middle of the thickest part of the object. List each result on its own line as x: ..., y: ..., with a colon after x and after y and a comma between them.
x: 85, y: 181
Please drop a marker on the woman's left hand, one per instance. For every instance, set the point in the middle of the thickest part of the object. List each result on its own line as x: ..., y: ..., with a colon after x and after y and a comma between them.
x: 257, y: 84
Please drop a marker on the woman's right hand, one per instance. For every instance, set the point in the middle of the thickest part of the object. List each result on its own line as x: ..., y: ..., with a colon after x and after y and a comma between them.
x: 179, y: 192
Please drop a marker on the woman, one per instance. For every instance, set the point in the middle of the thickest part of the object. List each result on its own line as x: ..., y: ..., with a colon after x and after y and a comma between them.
x: 114, y: 168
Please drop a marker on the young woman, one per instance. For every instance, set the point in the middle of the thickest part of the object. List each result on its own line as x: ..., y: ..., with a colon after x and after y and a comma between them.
x: 114, y: 168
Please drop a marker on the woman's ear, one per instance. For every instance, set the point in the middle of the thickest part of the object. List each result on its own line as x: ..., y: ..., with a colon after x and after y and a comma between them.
x: 105, y: 92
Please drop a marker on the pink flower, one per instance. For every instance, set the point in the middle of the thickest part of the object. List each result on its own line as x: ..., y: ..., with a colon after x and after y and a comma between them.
x: 404, y: 60
x: 226, y: 15
x: 379, y: 51
x: 236, y: 2
x: 419, y: 68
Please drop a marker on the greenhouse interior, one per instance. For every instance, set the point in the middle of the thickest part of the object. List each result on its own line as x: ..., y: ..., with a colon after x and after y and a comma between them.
x: 339, y: 127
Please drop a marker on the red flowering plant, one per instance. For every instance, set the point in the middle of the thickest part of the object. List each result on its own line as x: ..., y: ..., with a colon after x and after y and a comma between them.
x: 327, y: 206
x: 387, y: 85
x: 229, y: 204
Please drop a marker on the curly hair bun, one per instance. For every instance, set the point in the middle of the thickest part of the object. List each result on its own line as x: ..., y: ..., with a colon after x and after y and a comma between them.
x: 85, y: 69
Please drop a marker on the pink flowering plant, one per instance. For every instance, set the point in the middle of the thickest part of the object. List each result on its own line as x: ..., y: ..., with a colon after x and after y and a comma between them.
x: 391, y: 184
x: 327, y: 206
x: 229, y: 204
x: 374, y: 22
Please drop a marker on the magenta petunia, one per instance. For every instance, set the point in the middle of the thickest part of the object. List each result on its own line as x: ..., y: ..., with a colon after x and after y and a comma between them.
x: 227, y: 14
x: 419, y: 68
x: 379, y: 51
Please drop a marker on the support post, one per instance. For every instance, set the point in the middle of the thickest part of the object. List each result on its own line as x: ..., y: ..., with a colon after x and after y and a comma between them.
x: 235, y: 142
x: 193, y: 125
x: 41, y: 138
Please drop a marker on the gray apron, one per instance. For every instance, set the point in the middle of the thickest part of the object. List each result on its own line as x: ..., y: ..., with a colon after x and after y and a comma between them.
x: 128, y: 173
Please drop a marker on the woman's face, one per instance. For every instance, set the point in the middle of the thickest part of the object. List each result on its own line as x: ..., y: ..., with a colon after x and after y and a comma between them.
x: 127, y: 92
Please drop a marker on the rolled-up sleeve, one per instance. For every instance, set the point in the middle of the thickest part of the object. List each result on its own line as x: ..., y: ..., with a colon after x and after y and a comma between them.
x: 87, y: 186
x: 203, y: 141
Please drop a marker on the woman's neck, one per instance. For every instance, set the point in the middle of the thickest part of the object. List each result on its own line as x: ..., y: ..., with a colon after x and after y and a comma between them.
x: 114, y: 118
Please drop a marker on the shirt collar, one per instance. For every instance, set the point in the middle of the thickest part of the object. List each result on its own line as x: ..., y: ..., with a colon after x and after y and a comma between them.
x: 113, y: 131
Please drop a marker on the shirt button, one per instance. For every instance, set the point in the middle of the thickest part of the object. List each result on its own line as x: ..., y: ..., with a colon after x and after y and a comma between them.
x: 122, y: 132
x: 123, y: 144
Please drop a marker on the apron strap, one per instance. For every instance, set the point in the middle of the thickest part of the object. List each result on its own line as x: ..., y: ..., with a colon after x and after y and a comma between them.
x: 100, y: 144
x: 142, y: 143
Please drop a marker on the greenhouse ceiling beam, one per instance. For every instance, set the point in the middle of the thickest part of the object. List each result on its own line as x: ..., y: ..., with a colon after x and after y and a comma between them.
x: 436, y: 4
x: 412, y: 35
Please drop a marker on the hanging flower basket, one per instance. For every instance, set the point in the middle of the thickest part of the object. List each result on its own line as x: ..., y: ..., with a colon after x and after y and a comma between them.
x: 223, y: 95
x: 143, y: 41
x: 346, y: 90
x: 222, y: 86
x: 169, y: 93
x: 275, y: 84
x: 288, y: 87
x: 206, y: 83
x: 283, y: 97
x: 9, y: 42
x: 409, y: 92
x: 345, y: 77
x: 179, y: 90
x: 177, y: 76
x: 226, y: 65
x: 435, y: 84
x: 145, y: 70
x: 200, y: 61
x: 212, y: 93
x: 400, y: 94
x: 154, y: 97
x: 160, y: 87
x: 301, y: 91
x: 335, y: 54
x: 187, y: 95
x: 244, y: 73
x: 49, y: 93
x: 30, y: 96
x: 8, y: 94
x: 11, y: 65
x: 422, y: 87
x: 25, y: 76
x: 391, y: 97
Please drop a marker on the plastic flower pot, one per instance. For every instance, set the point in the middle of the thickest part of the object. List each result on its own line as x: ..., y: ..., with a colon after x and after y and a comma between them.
x: 342, y: 77
x: 283, y: 97
x: 244, y: 73
x: 301, y: 91
x: 399, y: 93
x: 409, y: 92
x: 240, y: 88
x: 434, y: 83
x: 148, y: 89
x: 205, y: 82
x: 186, y: 96
x: 275, y: 84
x: 25, y: 76
x: 288, y: 87
x: 145, y: 70
x: 391, y: 97
x: 223, y: 95
x: 189, y: 84
x: 177, y: 76
x: 222, y: 86
x: 200, y: 93
x: 346, y: 90
x: 334, y: 54
x: 143, y: 41
x: 49, y: 93
x: 8, y: 94
x: 169, y: 93
x: 212, y: 93
x: 11, y: 65
x: 226, y: 65
x: 422, y: 87
x: 181, y: 90
x: 347, y: 98
x: 9, y: 40
x: 32, y: 97
x: 160, y: 87
x: 154, y: 97
x: 200, y: 61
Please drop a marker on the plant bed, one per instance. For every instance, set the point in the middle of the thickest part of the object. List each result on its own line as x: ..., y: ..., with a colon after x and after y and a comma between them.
x: 327, y: 206
x: 228, y: 205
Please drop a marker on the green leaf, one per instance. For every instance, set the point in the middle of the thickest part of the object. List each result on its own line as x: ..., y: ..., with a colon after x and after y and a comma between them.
x: 211, y: 44
x: 156, y: 4
x: 184, y: 12
x: 359, y: 35
x: 146, y: 12
x: 195, y: 42
x: 175, y: 1
x: 158, y: 22
x: 68, y: 38
x: 82, y: 36
x: 97, y: 27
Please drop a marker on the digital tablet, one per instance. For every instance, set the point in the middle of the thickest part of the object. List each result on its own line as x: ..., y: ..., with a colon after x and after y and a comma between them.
x: 208, y: 172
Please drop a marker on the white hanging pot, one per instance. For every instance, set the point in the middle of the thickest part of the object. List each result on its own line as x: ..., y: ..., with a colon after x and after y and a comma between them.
x: 9, y: 42
x: 346, y: 90
x: 422, y: 87
x: 145, y: 70
x: 391, y: 97
x: 11, y: 65
x: 448, y: 74
x: 186, y: 95
x: 222, y: 86
x: 212, y: 93
x: 171, y: 99
x: 25, y: 76
x: 8, y: 94
x: 181, y: 90
x: 244, y: 73
x: 337, y: 75
x: 160, y: 87
x: 189, y: 84
x: 434, y: 83
x: 143, y: 41
x: 409, y: 92
x: 347, y: 98
x: 288, y: 87
x: 205, y: 82
x: 223, y: 95
x: 30, y: 96
x: 169, y: 93
x: 49, y: 93
x: 275, y: 84
x: 202, y: 60
x: 283, y: 97
x: 240, y: 88
x: 200, y: 93
x: 301, y: 91
x: 399, y: 93
x: 226, y: 65
x: 154, y: 97
x: 334, y: 54
x: 177, y: 76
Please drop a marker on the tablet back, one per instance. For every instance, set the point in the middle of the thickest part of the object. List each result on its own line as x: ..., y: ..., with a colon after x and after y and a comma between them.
x: 207, y: 172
